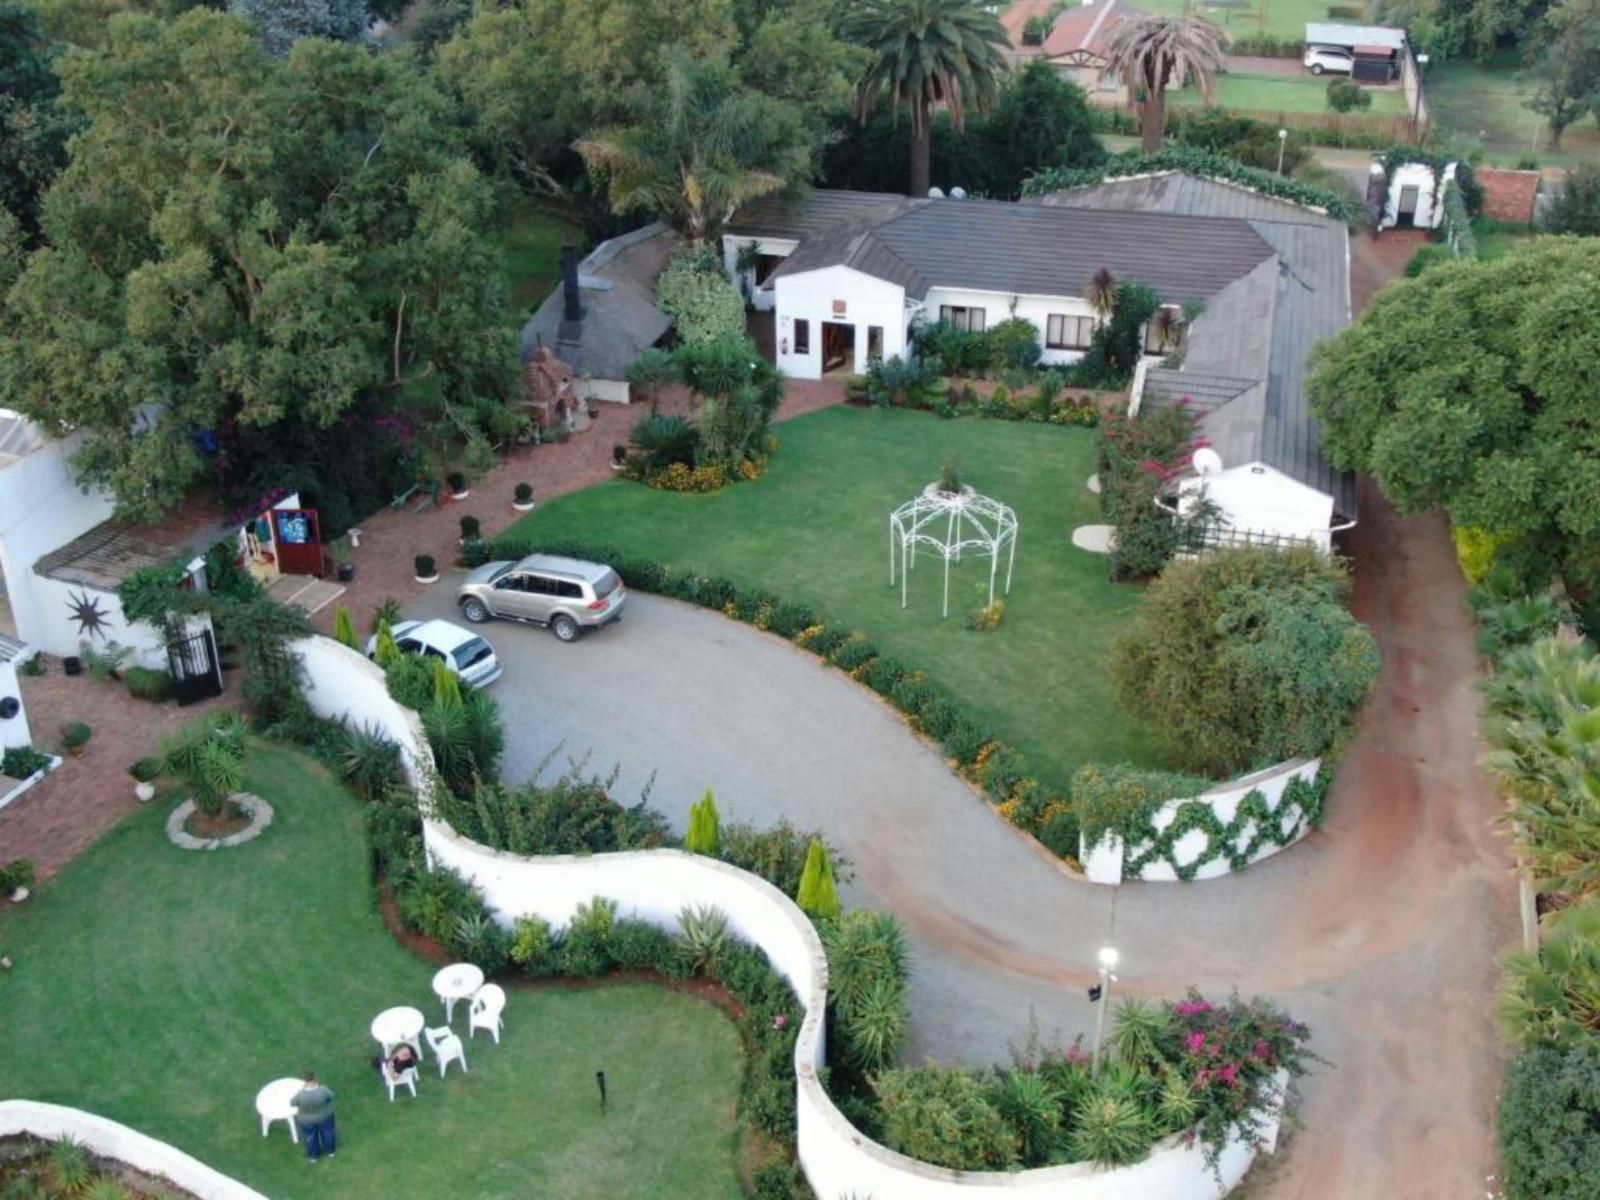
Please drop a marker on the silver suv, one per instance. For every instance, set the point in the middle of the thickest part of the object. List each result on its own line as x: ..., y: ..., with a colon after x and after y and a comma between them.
x: 567, y: 594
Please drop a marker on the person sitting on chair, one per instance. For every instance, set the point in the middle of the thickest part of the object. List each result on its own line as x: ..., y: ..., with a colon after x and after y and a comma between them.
x: 402, y: 1060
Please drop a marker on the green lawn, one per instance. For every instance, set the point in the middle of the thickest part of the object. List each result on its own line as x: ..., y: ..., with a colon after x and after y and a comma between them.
x: 162, y: 987
x: 532, y: 240
x: 1486, y: 103
x: 1282, y: 93
x: 1283, y: 18
x: 815, y: 528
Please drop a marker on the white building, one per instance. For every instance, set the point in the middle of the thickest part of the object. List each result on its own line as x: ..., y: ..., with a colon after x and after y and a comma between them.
x: 1413, y: 194
x: 850, y: 275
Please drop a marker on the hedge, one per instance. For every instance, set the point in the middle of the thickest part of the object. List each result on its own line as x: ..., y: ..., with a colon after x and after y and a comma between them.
x: 979, y: 757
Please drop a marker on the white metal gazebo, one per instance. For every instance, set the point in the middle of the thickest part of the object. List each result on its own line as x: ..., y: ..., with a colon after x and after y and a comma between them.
x: 951, y: 523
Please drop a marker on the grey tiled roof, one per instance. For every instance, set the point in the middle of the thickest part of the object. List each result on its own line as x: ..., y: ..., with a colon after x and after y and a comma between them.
x: 11, y: 650
x: 808, y: 214
x: 998, y: 246
x: 1262, y: 327
x: 620, y: 318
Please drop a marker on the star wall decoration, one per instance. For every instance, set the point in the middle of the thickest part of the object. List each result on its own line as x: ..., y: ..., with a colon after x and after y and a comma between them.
x: 85, y: 610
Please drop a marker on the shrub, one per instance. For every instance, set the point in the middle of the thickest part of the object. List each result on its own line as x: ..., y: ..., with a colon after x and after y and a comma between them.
x: 964, y: 740
x: 777, y: 854
x: 75, y: 735
x: 651, y: 372
x: 433, y: 902
x: 664, y: 440
x: 1426, y: 257
x: 1014, y: 343
x: 1506, y: 625
x: 207, y: 756
x: 1549, y: 1122
x: 586, y: 949
x: 641, y: 946
x: 1475, y: 550
x: 423, y: 566
x: 1245, y: 657
x: 696, y: 293
x: 944, y: 1116
x: 1346, y: 95
x: 478, y: 939
x: 369, y: 762
x: 471, y: 528
x: 18, y: 873
x: 704, y: 931
x: 1553, y: 994
x: 817, y: 895
x: 344, y: 628
x: 1031, y: 1105
x: 144, y: 683
x: 868, y: 968
x: 146, y: 770
x: 103, y: 662
x: 852, y: 652
x: 1120, y: 799
x: 1575, y: 207
x: 703, y: 834
x: 523, y: 493
x: 21, y: 761
x: 1110, y: 1130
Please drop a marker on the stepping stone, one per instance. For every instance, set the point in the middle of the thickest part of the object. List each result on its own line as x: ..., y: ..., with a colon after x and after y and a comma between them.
x: 1094, y: 483
x: 1097, y: 539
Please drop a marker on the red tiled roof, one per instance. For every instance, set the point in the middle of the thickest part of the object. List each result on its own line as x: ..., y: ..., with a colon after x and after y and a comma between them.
x: 1508, y: 195
x: 1088, y: 27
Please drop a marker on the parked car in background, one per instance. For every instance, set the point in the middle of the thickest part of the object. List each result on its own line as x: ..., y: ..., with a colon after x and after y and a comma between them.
x: 567, y: 594
x: 1326, y: 60
x: 463, y: 651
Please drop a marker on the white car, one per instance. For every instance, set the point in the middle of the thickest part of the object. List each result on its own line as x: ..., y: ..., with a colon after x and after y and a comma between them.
x: 464, y: 652
x: 1322, y: 60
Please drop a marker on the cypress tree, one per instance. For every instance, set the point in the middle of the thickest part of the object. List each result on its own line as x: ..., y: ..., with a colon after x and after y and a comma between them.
x: 386, y: 653
x: 344, y: 629
x: 818, y: 897
x: 705, y: 831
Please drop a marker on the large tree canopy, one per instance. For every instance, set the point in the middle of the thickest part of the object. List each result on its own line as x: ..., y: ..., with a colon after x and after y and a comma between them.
x: 242, y: 242
x: 1475, y: 388
x: 33, y: 130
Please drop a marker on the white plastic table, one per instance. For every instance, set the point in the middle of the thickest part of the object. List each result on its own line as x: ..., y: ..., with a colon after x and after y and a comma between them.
x: 458, y: 981
x: 273, y: 1103
x: 395, y: 1025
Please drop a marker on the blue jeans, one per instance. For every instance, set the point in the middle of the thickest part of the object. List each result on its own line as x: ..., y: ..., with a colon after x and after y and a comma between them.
x: 319, y: 1139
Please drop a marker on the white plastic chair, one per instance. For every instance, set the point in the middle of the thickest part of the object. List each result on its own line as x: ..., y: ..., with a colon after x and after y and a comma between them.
x: 447, y: 1048
x: 406, y: 1079
x: 487, y: 1004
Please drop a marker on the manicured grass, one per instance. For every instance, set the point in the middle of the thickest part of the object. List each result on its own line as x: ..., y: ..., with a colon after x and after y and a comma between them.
x: 1283, y: 93
x: 815, y: 529
x: 532, y: 239
x: 1486, y: 103
x: 162, y: 988
x: 1284, y: 18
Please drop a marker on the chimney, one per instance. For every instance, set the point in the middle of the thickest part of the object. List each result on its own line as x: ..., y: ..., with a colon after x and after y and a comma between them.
x: 573, y: 311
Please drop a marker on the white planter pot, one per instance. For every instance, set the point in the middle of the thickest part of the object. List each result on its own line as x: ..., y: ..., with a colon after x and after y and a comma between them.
x: 522, y: 507
x: 18, y: 895
x: 461, y: 495
x: 434, y: 578
x: 144, y: 792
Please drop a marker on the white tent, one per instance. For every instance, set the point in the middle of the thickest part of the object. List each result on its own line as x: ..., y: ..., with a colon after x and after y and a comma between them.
x: 951, y: 523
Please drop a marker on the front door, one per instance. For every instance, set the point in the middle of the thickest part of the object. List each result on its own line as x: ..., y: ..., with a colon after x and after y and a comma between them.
x: 838, y: 347
x: 1407, y: 214
x: 299, y: 541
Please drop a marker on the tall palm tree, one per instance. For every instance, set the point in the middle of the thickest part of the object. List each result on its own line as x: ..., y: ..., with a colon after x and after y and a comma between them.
x: 698, y: 151
x: 928, y: 54
x: 1156, y: 53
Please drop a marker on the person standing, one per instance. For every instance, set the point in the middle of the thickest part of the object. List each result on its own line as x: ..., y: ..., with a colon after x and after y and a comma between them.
x: 313, y: 1109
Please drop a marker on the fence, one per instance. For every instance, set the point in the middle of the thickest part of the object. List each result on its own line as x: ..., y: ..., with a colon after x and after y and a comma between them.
x: 1416, y: 98
x: 1196, y: 539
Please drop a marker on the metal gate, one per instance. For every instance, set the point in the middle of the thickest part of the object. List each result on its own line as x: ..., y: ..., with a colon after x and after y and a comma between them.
x: 196, y: 669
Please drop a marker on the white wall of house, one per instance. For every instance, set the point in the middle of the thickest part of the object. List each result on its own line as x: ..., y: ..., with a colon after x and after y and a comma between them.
x: 60, y: 634
x: 612, y: 391
x: 1263, y: 500
x: 1430, y: 194
x: 746, y: 280
x: 41, y: 509
x: 997, y: 307
x: 14, y: 729
x: 840, y: 295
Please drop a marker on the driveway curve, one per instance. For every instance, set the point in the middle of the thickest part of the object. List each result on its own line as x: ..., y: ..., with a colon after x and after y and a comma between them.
x: 1383, y: 930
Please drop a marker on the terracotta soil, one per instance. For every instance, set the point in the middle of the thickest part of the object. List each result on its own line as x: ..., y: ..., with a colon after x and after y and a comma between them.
x: 223, y: 824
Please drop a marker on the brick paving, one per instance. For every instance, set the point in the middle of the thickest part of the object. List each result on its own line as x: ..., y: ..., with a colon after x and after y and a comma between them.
x: 67, y: 811
x: 392, y: 538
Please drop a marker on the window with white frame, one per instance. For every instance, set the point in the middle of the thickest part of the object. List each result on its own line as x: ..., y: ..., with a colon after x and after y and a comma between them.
x: 959, y: 316
x: 1062, y: 332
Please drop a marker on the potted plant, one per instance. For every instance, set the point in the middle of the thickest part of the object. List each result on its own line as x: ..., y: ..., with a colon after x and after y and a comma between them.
x: 75, y: 736
x: 522, y: 497
x: 145, y: 772
x: 425, y: 568
x: 16, y: 878
x: 619, y: 455
x: 471, y: 529
x: 72, y: 665
x: 458, y: 485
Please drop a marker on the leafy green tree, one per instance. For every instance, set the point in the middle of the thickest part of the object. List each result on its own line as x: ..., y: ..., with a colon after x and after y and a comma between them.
x: 1575, y: 207
x: 33, y: 129
x: 1246, y: 657
x: 928, y: 55
x: 1566, y: 57
x: 704, y: 836
x: 818, y: 897
x: 1041, y: 121
x: 299, y: 237
x: 1549, y: 1122
x: 703, y: 303
x: 1155, y: 53
x: 1469, y: 388
x: 284, y: 22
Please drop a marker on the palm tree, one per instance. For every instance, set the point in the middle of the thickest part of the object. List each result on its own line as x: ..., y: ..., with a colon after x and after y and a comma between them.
x: 1156, y: 53
x: 928, y: 54
x: 698, y: 151
x: 1553, y: 994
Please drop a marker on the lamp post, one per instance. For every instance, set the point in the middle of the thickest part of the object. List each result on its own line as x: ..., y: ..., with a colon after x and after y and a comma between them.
x: 1416, y: 106
x: 1101, y: 994
x: 1283, y: 141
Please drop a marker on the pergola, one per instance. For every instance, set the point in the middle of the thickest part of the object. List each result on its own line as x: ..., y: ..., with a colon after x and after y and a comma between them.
x: 950, y: 524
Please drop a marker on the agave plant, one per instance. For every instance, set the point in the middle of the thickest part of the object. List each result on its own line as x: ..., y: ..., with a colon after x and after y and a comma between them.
x: 874, y: 1027
x: 665, y: 440
x: 67, y: 1167
x: 1110, y: 1131
x: 704, y: 936
x: 369, y: 761
x: 1179, y: 1106
x: 1033, y: 1107
x: 1138, y: 1031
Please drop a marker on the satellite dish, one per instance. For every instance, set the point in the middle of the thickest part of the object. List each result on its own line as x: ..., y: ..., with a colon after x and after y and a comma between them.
x: 1207, y: 461
x: 935, y: 193
x: 958, y: 193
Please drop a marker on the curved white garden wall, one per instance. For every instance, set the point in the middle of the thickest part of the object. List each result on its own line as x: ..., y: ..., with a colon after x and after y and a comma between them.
x: 655, y: 885
x: 110, y: 1140
x: 1104, y: 863
x: 339, y: 682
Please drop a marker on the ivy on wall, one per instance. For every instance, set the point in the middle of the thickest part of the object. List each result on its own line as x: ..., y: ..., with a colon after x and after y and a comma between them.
x: 1301, y: 798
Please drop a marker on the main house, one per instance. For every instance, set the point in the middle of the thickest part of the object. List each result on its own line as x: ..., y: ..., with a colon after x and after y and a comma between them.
x: 850, y: 275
